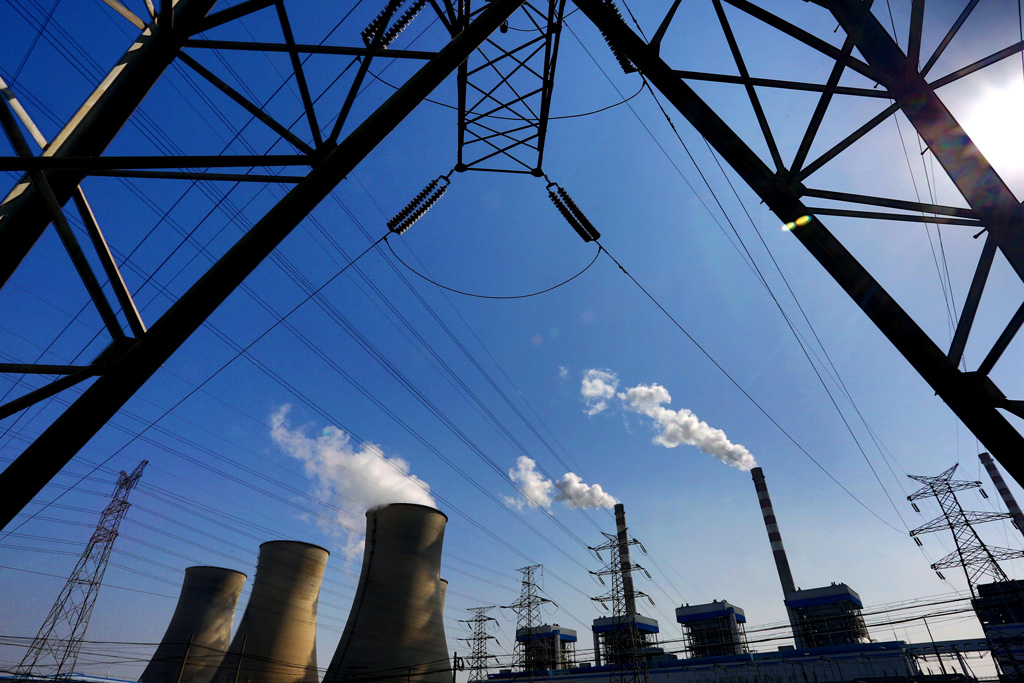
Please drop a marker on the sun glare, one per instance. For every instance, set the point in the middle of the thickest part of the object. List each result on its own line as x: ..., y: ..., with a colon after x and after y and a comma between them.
x: 996, y: 124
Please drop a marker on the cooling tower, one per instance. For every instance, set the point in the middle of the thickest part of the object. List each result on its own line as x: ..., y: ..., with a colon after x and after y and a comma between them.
x: 1004, y: 490
x: 395, y: 631
x: 276, y: 639
x: 200, y: 629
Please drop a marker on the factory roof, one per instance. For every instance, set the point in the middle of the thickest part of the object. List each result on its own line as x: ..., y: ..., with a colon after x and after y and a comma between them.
x: 546, y: 631
x: 605, y: 624
x: 711, y: 610
x: 837, y: 592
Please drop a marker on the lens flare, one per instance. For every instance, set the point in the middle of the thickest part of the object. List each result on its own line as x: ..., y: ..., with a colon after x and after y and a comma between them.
x: 799, y: 222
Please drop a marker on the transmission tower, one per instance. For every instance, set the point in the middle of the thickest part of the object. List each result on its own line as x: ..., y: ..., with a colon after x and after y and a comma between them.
x: 527, y: 609
x: 56, y: 646
x: 479, y: 657
x: 977, y: 559
x: 623, y: 645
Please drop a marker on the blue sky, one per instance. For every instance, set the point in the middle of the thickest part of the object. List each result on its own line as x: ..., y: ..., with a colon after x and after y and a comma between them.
x: 385, y: 364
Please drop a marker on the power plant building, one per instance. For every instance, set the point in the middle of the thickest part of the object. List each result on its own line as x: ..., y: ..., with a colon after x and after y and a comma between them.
x: 548, y: 647
x: 714, y: 629
x: 199, y: 632
x: 827, y: 616
x: 611, y: 636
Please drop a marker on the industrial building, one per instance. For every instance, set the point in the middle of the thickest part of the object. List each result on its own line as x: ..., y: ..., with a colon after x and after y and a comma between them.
x: 714, y: 629
x: 548, y: 647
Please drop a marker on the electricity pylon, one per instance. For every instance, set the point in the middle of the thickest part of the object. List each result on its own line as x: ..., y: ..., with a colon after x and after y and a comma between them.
x: 59, y: 640
x: 527, y: 609
x: 479, y: 657
x: 977, y: 559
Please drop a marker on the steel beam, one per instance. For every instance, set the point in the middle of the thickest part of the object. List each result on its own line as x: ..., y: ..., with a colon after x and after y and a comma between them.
x: 126, y: 373
x: 970, y: 396
x: 24, y: 214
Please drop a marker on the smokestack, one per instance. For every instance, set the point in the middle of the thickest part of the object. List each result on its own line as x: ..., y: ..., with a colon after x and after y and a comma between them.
x: 200, y: 629
x: 276, y: 639
x: 781, y: 561
x: 1004, y: 490
x: 625, y: 566
x: 395, y: 630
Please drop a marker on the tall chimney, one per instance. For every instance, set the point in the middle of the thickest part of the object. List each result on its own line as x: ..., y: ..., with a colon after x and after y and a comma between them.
x: 781, y: 561
x: 1004, y: 490
x: 625, y: 566
x: 200, y: 629
x: 276, y: 638
x: 395, y: 629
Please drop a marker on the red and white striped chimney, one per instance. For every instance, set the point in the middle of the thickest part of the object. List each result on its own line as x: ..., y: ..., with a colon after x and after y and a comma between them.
x: 625, y: 565
x: 781, y: 561
x: 1004, y: 490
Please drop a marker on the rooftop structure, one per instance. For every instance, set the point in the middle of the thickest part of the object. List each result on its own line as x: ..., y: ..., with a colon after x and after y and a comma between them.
x: 713, y: 629
x: 826, y: 616
x: 610, y: 632
x: 1000, y: 609
x: 549, y: 647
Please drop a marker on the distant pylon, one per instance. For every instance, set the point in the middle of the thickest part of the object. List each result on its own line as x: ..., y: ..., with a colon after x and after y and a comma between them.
x: 977, y: 559
x: 477, y: 661
x: 59, y: 640
x: 527, y: 609
x: 624, y: 645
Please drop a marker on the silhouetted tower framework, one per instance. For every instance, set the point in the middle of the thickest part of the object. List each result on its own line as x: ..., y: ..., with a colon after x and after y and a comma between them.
x: 623, y: 647
x: 478, y: 659
x: 527, y: 609
x: 54, y: 652
x: 978, y: 560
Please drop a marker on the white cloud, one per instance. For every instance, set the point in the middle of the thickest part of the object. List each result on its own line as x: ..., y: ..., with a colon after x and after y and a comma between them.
x: 540, y: 492
x: 597, y: 388
x: 352, y: 479
x: 683, y: 427
x: 574, y: 492
x: 563, y: 372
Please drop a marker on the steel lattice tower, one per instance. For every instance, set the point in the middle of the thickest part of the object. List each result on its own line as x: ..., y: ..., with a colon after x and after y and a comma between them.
x: 59, y: 640
x: 527, y: 609
x: 479, y: 657
x: 977, y: 559
x: 622, y: 650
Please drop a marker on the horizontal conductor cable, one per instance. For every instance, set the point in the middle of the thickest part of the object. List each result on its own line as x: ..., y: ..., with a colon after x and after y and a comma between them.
x: 489, y: 296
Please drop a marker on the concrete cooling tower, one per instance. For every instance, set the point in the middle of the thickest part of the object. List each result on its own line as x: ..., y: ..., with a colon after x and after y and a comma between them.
x: 395, y: 631
x: 200, y: 629
x: 276, y: 639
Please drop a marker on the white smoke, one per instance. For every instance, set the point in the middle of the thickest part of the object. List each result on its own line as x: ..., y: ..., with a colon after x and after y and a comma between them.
x: 352, y: 479
x: 597, y: 389
x: 683, y: 427
x: 540, y: 492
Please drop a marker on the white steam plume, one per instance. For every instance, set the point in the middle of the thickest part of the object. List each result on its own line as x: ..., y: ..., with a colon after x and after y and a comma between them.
x: 597, y: 389
x: 683, y: 427
x: 539, y: 491
x: 353, y: 479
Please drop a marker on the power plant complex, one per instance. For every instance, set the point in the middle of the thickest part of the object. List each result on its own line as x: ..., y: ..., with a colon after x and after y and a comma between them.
x: 395, y: 631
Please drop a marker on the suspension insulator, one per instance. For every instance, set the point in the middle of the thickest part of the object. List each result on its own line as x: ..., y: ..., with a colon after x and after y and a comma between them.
x: 941, y: 577
x: 626, y: 65
x: 918, y: 541
x: 982, y: 492
x: 569, y: 218
x: 914, y: 505
x: 384, y: 17
x: 418, y: 213
x: 587, y: 225
x: 411, y: 206
x: 402, y: 22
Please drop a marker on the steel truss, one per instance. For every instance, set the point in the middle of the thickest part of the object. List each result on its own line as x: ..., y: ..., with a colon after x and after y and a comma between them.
x: 322, y: 159
x: 505, y: 92
x: 993, y: 210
